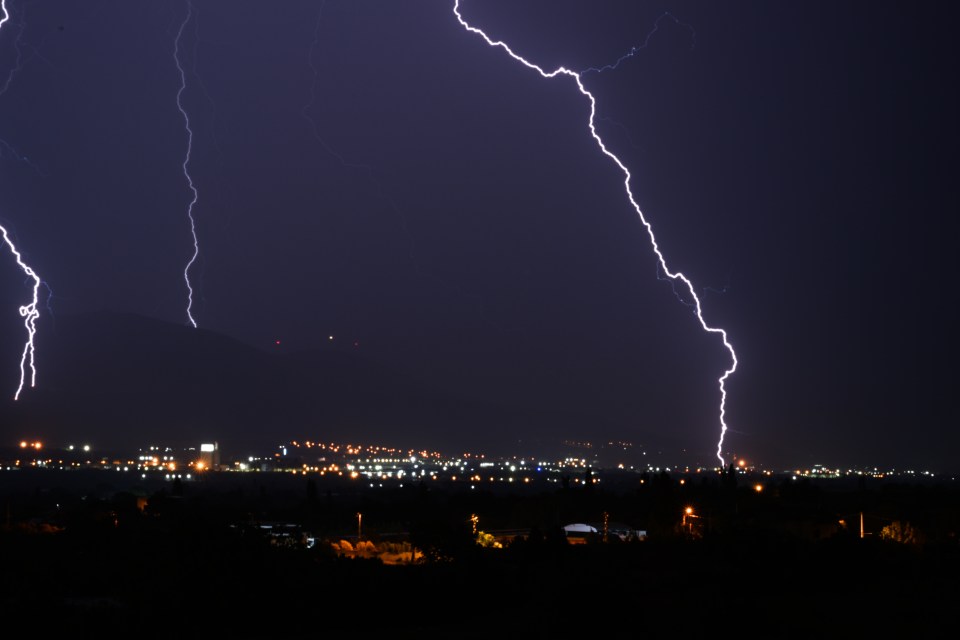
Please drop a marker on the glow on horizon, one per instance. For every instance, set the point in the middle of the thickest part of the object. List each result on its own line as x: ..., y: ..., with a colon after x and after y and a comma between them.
x: 186, y: 164
x: 674, y: 276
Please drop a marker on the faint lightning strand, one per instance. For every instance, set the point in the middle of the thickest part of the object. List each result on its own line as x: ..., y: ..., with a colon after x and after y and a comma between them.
x: 646, y: 41
x: 371, y: 174
x: 29, y: 313
x: 675, y: 276
x: 20, y: 157
x: 17, y: 65
x: 186, y: 164
x: 305, y: 110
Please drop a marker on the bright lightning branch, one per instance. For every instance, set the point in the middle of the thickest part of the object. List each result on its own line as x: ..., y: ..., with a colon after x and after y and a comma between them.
x: 676, y: 277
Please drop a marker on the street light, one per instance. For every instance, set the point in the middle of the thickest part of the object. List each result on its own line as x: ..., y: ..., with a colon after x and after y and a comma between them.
x: 688, y: 513
x: 359, y: 526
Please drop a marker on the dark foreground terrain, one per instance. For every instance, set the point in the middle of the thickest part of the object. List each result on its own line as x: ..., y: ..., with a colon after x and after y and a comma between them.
x: 81, y: 556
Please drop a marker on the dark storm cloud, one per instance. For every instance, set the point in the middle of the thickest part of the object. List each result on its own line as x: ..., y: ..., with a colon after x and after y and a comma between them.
x: 371, y: 171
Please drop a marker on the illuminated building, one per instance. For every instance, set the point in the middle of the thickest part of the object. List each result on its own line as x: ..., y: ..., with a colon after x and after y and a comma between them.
x: 210, y: 456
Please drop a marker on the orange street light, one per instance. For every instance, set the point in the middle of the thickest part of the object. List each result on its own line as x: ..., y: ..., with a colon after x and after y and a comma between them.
x: 688, y: 513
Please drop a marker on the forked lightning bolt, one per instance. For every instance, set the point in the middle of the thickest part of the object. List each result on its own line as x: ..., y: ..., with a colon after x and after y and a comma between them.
x: 29, y: 312
x: 186, y: 163
x: 674, y: 276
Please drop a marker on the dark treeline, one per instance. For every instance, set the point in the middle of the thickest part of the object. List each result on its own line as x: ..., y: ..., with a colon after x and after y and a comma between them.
x: 192, y: 559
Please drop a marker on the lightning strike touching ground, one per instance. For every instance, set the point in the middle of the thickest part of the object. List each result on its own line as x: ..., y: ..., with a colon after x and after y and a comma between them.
x: 674, y: 276
x: 186, y: 163
x: 29, y: 312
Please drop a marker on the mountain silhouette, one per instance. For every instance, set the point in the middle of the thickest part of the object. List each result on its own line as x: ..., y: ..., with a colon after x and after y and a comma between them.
x: 124, y: 382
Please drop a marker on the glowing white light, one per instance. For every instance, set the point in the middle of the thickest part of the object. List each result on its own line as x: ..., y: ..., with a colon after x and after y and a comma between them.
x: 186, y: 164
x: 674, y: 276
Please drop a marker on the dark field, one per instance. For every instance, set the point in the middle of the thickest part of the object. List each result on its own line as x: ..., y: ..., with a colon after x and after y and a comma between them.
x: 85, y: 555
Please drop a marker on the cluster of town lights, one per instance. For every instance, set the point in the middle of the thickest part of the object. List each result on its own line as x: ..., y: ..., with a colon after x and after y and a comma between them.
x: 377, y: 463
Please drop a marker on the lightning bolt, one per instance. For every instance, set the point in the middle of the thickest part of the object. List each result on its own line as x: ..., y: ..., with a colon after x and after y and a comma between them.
x: 186, y: 164
x: 28, y: 312
x: 676, y: 277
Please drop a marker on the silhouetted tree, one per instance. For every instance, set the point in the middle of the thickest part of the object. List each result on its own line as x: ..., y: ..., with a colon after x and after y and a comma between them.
x: 440, y: 538
x: 902, y: 532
